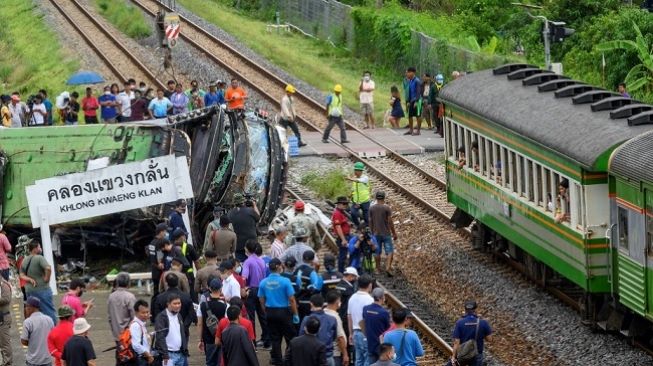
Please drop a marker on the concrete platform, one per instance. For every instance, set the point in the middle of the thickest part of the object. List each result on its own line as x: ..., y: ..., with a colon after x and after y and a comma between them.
x: 394, y: 139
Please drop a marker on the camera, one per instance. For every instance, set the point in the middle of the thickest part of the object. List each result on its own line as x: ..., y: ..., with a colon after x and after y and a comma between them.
x: 30, y: 101
x: 249, y: 201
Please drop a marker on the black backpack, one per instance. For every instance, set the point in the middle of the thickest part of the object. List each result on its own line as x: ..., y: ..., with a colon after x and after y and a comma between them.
x: 303, y: 273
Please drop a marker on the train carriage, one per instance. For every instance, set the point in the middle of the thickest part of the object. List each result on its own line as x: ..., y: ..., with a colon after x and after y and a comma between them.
x: 527, y: 157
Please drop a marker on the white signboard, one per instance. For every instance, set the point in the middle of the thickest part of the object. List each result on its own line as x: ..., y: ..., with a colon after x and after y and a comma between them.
x: 108, y: 190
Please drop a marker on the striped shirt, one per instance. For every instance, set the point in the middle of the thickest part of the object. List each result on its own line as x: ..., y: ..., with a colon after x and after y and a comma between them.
x: 277, y: 249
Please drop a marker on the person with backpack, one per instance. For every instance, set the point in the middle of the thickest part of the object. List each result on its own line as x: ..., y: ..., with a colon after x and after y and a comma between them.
x: 135, y: 342
x: 330, y: 277
x: 469, y: 336
x: 308, y: 282
x: 212, y: 311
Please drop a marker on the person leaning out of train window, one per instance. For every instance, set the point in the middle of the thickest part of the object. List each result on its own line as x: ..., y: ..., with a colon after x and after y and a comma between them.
x: 563, y: 199
x: 462, y: 160
x: 475, y: 156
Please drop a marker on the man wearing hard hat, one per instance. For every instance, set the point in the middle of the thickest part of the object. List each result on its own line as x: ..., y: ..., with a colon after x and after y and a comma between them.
x: 334, y: 115
x: 360, y: 195
x: 288, y: 114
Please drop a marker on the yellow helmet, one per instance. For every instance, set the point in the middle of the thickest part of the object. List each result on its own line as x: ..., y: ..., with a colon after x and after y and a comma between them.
x: 337, y: 88
x: 290, y: 88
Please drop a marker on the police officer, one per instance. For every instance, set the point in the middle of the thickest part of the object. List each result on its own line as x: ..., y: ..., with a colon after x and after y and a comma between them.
x: 277, y: 297
x: 305, y: 221
x: 189, y: 252
x: 212, y: 226
x: 360, y: 195
x: 330, y: 277
x: 308, y: 282
x: 347, y: 287
x: 155, y: 255
x: 470, y: 326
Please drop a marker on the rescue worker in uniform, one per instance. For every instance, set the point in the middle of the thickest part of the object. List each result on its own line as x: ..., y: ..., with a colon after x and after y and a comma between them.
x: 347, y: 287
x: 438, y: 107
x: 307, y: 222
x: 334, y: 115
x: 5, y: 322
x: 330, y: 277
x: 308, y: 282
x: 277, y: 297
x: 212, y: 226
x: 360, y: 195
x: 155, y: 256
x: 288, y: 114
x: 297, y: 250
x: 189, y: 252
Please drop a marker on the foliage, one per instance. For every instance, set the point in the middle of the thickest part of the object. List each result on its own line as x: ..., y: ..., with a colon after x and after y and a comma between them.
x: 125, y: 16
x: 32, y: 57
x: 329, y: 185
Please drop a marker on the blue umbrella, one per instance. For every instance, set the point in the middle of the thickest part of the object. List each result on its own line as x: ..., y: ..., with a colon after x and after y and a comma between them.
x: 85, y: 77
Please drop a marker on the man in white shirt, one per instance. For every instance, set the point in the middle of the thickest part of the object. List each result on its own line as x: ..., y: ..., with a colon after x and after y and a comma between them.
x: 125, y: 99
x: 171, y: 340
x: 366, y: 98
x: 357, y: 302
x: 18, y: 110
x: 141, y: 342
x: 340, y: 353
x: 288, y: 114
x: 39, y: 112
x: 230, y: 286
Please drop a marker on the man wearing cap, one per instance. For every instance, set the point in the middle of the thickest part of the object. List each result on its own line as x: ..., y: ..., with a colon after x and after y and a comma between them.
x: 175, y: 219
x: 213, y: 309
x: 355, y: 307
x: 360, y: 194
x: 471, y: 326
x: 244, y: 220
x: 5, y: 322
x: 60, y: 334
x: 288, y: 114
x: 140, y: 338
x: 334, y: 112
x: 278, y: 246
x: 191, y: 256
x: 405, y: 341
x: 206, y: 273
x: 383, y: 230
x: 331, y: 276
x: 328, y: 330
x: 341, y: 230
x: 35, y: 334
x: 298, y: 249
x: 213, y: 97
x: 18, y: 110
x: 177, y: 270
x: 223, y: 241
x: 36, y: 271
x: 120, y: 305
x: 376, y: 320
x: 79, y: 351
x: 307, y: 222
x: 347, y: 288
x: 277, y: 297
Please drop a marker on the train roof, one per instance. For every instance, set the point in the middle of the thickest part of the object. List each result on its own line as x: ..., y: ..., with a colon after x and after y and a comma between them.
x: 551, y: 109
x: 632, y: 159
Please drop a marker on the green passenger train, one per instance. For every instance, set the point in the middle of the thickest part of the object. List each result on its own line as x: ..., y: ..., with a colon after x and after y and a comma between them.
x: 228, y: 153
x: 557, y: 174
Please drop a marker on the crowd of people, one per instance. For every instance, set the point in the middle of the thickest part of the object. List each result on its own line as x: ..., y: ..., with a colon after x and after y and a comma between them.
x: 131, y: 102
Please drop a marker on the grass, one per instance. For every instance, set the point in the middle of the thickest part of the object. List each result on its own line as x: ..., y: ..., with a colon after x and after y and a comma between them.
x: 329, y: 185
x: 124, y: 16
x: 314, y: 61
x: 32, y: 57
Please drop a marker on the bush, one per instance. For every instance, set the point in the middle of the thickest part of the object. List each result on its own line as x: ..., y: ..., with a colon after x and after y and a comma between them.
x: 329, y: 185
x: 126, y: 17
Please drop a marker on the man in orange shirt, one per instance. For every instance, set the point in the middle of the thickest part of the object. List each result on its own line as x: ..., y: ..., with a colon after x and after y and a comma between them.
x: 236, y: 96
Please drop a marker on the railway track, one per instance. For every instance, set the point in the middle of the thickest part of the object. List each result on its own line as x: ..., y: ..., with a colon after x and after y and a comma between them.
x: 437, y: 350
x: 108, y: 47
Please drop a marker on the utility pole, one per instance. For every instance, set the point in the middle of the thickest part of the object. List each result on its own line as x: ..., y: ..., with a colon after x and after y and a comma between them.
x: 546, y: 34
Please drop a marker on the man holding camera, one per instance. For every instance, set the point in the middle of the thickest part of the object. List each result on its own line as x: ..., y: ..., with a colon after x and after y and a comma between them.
x: 361, y: 251
x: 244, y: 219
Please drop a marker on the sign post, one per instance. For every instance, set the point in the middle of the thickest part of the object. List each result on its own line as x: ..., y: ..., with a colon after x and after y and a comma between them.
x: 113, y: 189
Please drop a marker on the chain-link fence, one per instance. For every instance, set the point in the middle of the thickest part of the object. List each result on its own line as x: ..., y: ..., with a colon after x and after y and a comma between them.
x: 325, y: 19
x: 331, y: 21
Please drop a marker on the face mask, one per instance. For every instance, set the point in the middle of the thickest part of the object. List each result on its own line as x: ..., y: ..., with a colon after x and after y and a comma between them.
x: 366, y: 78
x: 239, y: 269
x: 107, y: 92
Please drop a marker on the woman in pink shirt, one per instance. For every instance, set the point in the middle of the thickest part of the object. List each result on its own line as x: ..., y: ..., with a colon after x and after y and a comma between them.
x: 5, y: 247
x: 72, y: 299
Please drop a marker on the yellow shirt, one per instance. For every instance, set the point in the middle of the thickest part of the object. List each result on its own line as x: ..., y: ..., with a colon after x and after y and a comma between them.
x: 6, y: 116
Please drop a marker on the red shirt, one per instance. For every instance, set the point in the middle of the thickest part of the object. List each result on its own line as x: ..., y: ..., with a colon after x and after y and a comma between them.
x: 224, y: 323
x: 241, y: 282
x: 338, y: 218
x: 58, y: 337
x: 90, y: 106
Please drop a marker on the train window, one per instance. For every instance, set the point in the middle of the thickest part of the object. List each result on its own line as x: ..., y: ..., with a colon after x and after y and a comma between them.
x: 622, y: 221
x: 579, y: 209
x: 489, y: 147
x: 449, y: 136
x: 520, y: 175
x: 528, y: 179
x: 481, y: 155
x: 468, y: 135
x: 512, y: 165
x: 475, y: 152
x: 504, y: 163
x: 537, y: 184
x: 546, y: 191
x: 649, y: 231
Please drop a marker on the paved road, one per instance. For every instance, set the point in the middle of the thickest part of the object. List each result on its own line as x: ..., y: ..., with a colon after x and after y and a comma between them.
x: 100, y: 333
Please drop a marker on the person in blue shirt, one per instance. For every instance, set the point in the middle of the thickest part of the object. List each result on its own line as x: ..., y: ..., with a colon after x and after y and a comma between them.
x: 277, y: 297
x: 405, y: 341
x: 361, y: 251
x: 376, y: 321
x: 214, y: 96
x: 48, y: 106
x: 108, y: 104
x: 470, y: 326
x: 328, y: 326
x: 175, y: 219
x: 159, y: 106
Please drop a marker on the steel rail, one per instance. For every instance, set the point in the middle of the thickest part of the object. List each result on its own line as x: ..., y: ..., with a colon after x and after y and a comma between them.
x: 391, y: 299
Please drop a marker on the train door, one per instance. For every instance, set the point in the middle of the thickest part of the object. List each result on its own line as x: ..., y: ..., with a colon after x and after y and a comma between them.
x: 648, y: 217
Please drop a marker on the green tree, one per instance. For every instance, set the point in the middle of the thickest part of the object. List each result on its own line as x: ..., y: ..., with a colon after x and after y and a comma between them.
x: 641, y: 74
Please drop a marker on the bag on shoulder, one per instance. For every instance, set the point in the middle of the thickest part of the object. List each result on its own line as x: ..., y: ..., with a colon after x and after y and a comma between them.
x: 125, y: 350
x: 211, y: 321
x: 468, y: 350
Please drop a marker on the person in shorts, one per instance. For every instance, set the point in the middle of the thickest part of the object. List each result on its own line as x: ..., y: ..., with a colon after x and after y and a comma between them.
x: 383, y: 230
x: 366, y: 98
x: 413, y: 91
